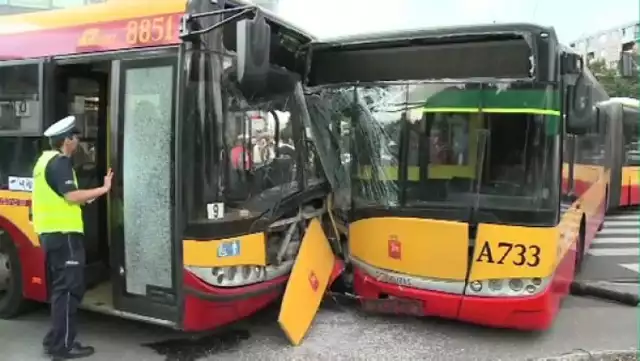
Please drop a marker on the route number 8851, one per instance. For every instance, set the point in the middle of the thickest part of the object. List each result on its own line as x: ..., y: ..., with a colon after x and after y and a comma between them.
x: 150, y: 31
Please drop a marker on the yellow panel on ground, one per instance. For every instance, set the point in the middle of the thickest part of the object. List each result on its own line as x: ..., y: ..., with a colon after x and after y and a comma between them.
x: 307, y: 284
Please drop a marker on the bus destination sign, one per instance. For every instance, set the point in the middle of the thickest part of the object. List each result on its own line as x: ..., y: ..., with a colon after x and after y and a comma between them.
x: 141, y: 32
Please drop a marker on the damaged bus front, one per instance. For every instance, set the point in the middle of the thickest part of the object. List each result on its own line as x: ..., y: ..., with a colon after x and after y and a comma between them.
x: 454, y: 144
x: 254, y: 194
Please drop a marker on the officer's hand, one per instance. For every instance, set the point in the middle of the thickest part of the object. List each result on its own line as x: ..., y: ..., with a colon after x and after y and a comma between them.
x: 107, y: 179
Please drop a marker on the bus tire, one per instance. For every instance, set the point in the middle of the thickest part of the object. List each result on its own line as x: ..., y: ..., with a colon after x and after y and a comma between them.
x: 12, y: 302
x: 580, y: 246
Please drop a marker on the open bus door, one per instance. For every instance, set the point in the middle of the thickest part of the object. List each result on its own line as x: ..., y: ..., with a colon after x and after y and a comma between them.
x: 145, y: 244
x: 124, y: 110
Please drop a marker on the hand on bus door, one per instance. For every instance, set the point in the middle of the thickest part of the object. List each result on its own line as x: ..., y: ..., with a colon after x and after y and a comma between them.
x: 107, y: 180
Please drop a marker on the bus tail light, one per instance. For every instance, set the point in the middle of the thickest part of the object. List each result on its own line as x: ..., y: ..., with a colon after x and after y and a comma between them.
x: 507, y: 287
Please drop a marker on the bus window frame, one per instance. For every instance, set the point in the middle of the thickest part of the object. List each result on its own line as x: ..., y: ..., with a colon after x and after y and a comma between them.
x: 41, y: 92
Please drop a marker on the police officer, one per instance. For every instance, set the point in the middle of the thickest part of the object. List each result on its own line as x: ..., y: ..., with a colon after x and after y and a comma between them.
x: 57, y: 219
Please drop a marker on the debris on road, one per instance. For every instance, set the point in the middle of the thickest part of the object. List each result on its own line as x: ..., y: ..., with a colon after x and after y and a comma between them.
x: 584, y: 355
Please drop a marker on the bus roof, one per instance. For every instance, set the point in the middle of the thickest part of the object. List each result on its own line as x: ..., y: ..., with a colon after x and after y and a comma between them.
x: 446, y: 31
x: 114, y: 25
x: 625, y: 102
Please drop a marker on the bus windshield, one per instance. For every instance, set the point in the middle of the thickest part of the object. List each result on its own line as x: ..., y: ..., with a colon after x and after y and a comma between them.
x: 239, y: 155
x: 433, y: 146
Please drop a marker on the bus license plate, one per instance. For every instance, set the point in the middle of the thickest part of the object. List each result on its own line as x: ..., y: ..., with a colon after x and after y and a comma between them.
x: 396, y: 306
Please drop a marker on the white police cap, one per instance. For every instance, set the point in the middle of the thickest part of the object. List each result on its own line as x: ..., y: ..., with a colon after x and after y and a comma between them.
x: 61, y: 127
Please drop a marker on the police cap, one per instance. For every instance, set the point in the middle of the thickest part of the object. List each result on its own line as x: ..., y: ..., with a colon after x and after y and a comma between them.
x: 62, y: 128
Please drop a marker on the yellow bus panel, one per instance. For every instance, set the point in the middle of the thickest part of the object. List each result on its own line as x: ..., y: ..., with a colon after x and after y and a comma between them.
x: 307, y: 284
x: 513, y: 251
x: 252, y: 250
x: 418, y: 247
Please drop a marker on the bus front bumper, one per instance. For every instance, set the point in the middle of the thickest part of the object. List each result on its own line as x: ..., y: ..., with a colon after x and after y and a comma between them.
x: 522, y: 313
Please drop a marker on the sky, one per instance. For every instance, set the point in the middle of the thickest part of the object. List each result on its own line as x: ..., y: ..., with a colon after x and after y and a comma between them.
x: 571, y: 18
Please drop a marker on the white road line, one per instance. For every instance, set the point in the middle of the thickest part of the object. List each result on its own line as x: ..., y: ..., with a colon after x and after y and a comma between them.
x: 617, y: 223
x: 634, y: 216
x: 608, y: 252
x: 635, y: 267
x: 631, y: 231
x: 616, y: 240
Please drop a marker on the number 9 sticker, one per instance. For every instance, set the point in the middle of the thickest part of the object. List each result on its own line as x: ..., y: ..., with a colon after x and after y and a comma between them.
x: 215, y: 211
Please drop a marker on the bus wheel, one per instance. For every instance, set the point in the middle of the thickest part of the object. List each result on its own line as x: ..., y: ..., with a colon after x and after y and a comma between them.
x: 11, y: 300
x: 580, y: 247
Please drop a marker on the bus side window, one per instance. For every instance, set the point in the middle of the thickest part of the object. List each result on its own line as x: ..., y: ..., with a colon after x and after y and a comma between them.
x: 20, y: 124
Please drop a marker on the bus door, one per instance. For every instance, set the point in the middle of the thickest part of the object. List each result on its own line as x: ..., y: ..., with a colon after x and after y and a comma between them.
x: 81, y: 89
x: 144, y: 241
x: 615, y: 150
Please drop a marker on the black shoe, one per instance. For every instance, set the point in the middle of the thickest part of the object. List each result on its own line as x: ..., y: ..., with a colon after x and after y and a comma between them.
x: 77, y: 351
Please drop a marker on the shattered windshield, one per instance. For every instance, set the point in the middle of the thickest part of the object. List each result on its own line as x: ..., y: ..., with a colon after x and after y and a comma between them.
x: 466, y: 146
x: 241, y: 153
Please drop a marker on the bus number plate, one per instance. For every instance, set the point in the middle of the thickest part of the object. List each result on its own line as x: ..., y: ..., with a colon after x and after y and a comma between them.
x: 229, y: 249
x: 396, y: 306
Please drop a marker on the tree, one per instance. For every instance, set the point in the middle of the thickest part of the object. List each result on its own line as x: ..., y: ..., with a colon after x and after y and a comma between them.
x: 613, y: 83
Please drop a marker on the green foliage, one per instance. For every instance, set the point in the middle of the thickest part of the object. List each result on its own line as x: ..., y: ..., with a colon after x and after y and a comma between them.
x: 615, y: 85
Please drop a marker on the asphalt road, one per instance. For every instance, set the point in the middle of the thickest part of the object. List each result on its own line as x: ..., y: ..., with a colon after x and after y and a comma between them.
x: 346, y: 334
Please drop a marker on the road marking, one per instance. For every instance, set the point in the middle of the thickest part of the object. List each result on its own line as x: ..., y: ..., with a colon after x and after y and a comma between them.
x: 617, y: 223
x: 616, y: 240
x: 609, y: 230
x: 635, y: 267
x: 633, y: 216
x: 615, y: 252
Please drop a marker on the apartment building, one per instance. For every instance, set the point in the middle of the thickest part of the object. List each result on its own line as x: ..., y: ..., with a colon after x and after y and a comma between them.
x: 608, y: 44
x: 24, y: 6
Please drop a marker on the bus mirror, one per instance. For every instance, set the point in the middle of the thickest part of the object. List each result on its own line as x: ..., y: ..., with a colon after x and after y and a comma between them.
x: 253, y: 44
x: 581, y: 116
x: 627, y: 64
x: 571, y: 63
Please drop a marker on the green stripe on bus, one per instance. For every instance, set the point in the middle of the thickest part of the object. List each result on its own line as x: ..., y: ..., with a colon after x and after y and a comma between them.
x: 494, y: 110
x: 495, y: 99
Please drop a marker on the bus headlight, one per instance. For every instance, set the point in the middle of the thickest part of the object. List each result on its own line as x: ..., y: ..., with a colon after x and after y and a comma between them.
x: 476, y: 286
x: 516, y: 284
x: 509, y: 287
x: 237, y: 276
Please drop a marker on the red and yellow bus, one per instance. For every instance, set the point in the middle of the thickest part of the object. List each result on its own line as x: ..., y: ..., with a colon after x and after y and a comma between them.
x: 456, y: 163
x: 184, y: 239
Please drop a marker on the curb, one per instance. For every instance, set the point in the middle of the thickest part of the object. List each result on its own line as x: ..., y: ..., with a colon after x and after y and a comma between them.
x: 584, y: 355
